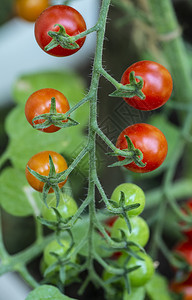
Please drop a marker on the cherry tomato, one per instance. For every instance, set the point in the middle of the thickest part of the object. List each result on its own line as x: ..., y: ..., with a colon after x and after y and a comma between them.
x: 29, y: 10
x: 55, y: 247
x: 141, y: 275
x: 133, y: 194
x: 139, y: 233
x: 66, y: 16
x: 40, y: 163
x: 110, y: 221
x: 184, y: 288
x: 187, y: 207
x: 157, y: 84
x: 40, y: 102
x: 67, y: 207
x: 185, y: 250
x: 150, y: 140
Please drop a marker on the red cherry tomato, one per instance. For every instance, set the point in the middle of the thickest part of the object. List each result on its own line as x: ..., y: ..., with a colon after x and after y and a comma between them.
x: 40, y: 102
x: 66, y: 16
x: 110, y: 221
x: 150, y: 140
x: 40, y: 163
x: 184, y: 288
x: 188, y: 206
x: 29, y: 10
x: 157, y: 84
x: 185, y: 250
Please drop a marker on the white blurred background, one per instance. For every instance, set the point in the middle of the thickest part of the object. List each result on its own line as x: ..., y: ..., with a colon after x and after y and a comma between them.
x: 20, y: 54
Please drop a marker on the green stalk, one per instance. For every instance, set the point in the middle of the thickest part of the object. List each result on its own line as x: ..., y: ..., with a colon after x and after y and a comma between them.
x: 92, y: 126
x: 168, y: 33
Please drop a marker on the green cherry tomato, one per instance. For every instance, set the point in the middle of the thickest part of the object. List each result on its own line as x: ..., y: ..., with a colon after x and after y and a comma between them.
x: 140, y: 276
x: 55, y: 247
x: 67, y: 207
x: 133, y: 194
x: 139, y: 234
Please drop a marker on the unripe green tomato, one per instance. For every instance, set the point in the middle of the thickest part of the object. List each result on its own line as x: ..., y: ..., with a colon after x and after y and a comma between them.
x: 133, y: 194
x: 55, y: 247
x: 107, y: 275
x: 140, y: 276
x: 67, y: 207
x: 139, y: 233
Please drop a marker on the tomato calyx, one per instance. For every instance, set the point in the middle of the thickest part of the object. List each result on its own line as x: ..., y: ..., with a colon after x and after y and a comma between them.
x: 51, y: 181
x: 121, y: 208
x: 134, y: 88
x: 131, y: 154
x: 58, y: 225
x: 61, y: 38
x: 54, y: 118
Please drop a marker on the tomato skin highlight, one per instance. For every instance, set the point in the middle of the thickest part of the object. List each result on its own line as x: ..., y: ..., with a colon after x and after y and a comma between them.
x: 150, y: 140
x: 29, y: 10
x: 40, y: 163
x: 69, y: 18
x: 157, y: 86
x: 40, y: 102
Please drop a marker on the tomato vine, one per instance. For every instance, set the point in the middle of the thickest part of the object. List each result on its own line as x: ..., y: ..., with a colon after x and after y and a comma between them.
x: 129, y: 154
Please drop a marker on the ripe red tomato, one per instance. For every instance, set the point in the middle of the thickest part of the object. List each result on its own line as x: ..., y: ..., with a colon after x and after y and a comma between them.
x: 40, y: 102
x: 150, y: 140
x: 40, y: 163
x: 66, y: 16
x: 157, y: 84
x: 184, y: 288
x: 185, y: 250
x: 29, y: 10
x: 188, y: 206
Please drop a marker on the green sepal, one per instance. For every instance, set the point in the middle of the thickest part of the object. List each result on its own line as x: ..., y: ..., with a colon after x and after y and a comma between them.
x: 46, y: 188
x: 37, y: 175
x: 131, y: 89
x: 62, y: 274
x: 54, y: 119
x: 61, y: 38
x: 47, y: 223
x: 121, y: 163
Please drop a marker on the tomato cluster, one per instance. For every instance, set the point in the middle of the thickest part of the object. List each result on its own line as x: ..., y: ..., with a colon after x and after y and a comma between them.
x: 56, y: 29
x: 139, y: 234
x: 157, y: 89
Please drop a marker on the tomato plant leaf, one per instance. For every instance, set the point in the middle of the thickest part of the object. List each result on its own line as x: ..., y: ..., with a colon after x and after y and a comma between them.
x: 17, y: 198
x: 47, y: 292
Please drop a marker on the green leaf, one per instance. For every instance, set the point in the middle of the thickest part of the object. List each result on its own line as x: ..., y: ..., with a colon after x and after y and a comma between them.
x: 136, y: 294
x: 157, y: 288
x: 17, y: 198
x: 47, y: 292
